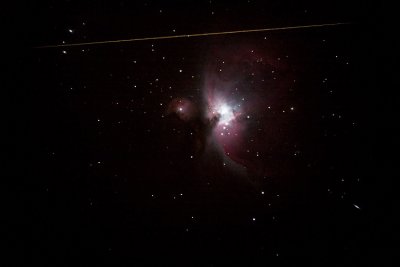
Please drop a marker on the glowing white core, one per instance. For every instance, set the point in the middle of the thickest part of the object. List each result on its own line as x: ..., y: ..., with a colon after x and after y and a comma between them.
x: 226, y: 113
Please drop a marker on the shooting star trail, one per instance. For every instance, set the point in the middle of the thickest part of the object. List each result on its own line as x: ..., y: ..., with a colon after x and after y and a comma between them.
x: 195, y: 35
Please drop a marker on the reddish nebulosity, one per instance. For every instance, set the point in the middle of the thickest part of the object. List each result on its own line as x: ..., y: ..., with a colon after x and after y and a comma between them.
x: 184, y: 108
x: 240, y: 82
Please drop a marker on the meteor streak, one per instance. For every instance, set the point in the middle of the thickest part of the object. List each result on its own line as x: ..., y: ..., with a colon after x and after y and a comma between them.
x: 195, y: 35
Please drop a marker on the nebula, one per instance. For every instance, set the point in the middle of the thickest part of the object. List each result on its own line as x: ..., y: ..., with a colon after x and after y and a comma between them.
x: 184, y: 108
x: 241, y: 84
x: 242, y: 81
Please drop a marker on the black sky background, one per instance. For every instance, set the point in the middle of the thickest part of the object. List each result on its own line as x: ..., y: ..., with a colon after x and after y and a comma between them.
x: 71, y: 210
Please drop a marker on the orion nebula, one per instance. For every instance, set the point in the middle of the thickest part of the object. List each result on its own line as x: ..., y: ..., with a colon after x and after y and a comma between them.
x: 243, y: 84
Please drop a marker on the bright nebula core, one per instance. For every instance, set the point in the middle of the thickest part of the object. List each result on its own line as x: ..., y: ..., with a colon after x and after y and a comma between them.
x: 228, y: 124
x: 225, y: 112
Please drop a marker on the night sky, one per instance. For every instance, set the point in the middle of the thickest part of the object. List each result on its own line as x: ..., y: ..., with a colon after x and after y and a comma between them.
x: 250, y: 149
